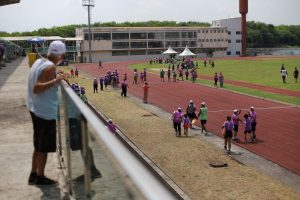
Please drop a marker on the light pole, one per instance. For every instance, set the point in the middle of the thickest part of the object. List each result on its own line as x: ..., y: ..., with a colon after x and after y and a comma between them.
x: 89, y: 4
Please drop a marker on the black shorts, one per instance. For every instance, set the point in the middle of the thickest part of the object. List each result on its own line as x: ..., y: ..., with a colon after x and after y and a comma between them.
x: 75, y: 134
x: 44, y: 134
x: 192, y: 115
x: 236, y: 128
x: 247, y: 131
x: 228, y: 134
x: 253, y: 125
x: 203, y: 121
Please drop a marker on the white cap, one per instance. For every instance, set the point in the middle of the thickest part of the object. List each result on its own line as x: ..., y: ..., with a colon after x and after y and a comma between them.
x: 191, y: 101
x: 235, y: 110
x: 203, y: 103
x: 252, y: 107
x: 57, y: 48
x: 179, y: 108
x: 109, y: 120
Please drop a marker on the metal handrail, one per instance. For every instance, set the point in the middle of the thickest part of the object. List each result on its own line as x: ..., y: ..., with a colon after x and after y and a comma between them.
x: 150, y: 187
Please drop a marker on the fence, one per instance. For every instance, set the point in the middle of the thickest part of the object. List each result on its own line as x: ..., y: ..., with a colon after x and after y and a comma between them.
x: 273, y: 51
x: 95, y: 163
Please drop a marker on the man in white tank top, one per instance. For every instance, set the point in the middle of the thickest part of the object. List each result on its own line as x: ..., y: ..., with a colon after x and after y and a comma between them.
x: 42, y: 103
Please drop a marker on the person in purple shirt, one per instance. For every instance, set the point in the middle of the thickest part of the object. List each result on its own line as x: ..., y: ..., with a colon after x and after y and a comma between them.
x: 177, y: 118
x: 253, y: 117
x: 248, y: 127
x: 124, y: 87
x: 112, y: 127
x: 105, y: 82
x: 95, y: 85
x: 228, y: 127
x: 169, y: 74
x: 101, y: 82
x: 235, y: 119
x: 187, y: 74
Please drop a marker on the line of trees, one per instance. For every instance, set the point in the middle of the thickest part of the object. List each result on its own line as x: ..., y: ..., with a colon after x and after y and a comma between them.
x: 267, y: 35
x: 259, y: 34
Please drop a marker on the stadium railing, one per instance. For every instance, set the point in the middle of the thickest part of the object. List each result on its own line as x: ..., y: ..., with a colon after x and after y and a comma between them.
x: 86, y: 147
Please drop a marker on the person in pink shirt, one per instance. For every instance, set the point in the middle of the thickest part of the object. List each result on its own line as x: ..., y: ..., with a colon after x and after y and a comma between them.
x: 235, y: 119
x: 186, y: 124
x: 177, y: 118
x: 112, y: 127
x: 146, y: 89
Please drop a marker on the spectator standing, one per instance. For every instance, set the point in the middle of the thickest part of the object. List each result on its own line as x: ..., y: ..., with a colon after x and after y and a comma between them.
x: 169, y: 74
x: 101, y: 82
x: 227, y: 126
x: 177, y: 118
x: 248, y: 128
x: 76, y: 72
x: 284, y: 74
x: 216, y: 78
x: 296, y: 74
x: 162, y: 75
x: 235, y: 119
x: 43, y: 105
x: 124, y: 87
x: 186, y: 124
x: 253, y: 117
x: 146, y: 90
x: 95, y: 85
x: 221, y: 79
x: 190, y: 111
x: 100, y: 64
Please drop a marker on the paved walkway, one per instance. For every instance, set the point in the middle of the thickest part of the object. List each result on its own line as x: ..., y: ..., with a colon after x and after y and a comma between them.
x: 16, y: 138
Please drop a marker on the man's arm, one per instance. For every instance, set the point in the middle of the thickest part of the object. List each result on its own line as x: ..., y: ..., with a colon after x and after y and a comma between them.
x: 46, y: 80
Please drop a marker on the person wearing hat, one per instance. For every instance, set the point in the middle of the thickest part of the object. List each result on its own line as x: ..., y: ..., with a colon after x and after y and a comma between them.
x: 190, y: 111
x: 203, y: 117
x: 42, y: 103
x: 112, y: 127
x: 252, y: 115
x: 177, y: 119
x: 236, y: 120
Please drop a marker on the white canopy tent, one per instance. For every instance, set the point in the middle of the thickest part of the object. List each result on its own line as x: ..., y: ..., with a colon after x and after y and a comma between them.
x: 170, y: 51
x: 186, y: 52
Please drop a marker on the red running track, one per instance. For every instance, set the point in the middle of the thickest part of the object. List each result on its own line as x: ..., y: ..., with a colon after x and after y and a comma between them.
x: 278, y: 128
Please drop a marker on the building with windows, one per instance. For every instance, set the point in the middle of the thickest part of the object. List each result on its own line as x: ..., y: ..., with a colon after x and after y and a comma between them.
x: 234, y: 28
x: 134, y: 43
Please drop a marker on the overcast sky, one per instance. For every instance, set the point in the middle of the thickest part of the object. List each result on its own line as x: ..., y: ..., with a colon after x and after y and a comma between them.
x: 30, y: 15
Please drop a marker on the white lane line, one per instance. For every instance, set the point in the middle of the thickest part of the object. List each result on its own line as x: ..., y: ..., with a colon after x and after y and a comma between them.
x: 247, y: 109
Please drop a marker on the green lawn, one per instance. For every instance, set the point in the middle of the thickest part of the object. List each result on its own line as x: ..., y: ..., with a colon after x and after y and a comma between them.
x: 263, y: 71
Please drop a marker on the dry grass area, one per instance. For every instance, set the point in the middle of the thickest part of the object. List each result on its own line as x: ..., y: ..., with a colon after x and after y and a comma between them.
x: 185, y: 160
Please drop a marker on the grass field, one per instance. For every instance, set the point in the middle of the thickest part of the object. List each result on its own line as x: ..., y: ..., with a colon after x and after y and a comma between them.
x: 262, y: 71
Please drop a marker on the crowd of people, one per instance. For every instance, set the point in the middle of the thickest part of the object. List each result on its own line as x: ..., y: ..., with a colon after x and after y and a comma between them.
x: 229, y: 128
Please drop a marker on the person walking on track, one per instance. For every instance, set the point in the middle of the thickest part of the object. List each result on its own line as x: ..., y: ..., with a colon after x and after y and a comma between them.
x: 203, y: 117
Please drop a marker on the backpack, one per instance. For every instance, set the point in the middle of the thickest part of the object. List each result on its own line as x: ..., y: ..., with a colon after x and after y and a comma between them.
x: 191, y: 109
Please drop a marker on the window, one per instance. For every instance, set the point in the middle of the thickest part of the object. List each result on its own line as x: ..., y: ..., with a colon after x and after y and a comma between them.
x: 238, y: 32
x: 238, y: 41
x: 203, y: 40
x: 138, y: 35
x: 138, y: 53
x: 119, y: 53
x: 120, y: 36
x: 215, y: 31
x: 228, y: 53
x: 238, y: 53
x: 155, y: 44
x: 157, y: 35
x: 207, y: 40
x: 229, y: 32
x: 86, y: 36
x: 215, y: 40
x: 172, y: 35
x: 211, y: 40
x: 138, y: 45
x: 206, y: 31
x: 102, y: 36
x: 153, y: 52
x: 211, y: 31
x: 173, y: 43
x: 203, y: 31
x: 188, y: 34
x: 219, y: 31
x: 188, y: 43
x: 120, y: 45
x: 229, y: 41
